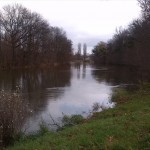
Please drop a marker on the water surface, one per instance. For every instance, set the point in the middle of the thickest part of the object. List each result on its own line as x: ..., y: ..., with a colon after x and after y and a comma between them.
x: 68, y: 91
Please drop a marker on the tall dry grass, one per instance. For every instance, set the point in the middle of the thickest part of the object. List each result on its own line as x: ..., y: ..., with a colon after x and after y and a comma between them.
x: 13, y: 112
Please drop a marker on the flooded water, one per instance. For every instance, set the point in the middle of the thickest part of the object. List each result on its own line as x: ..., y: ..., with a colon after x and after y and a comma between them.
x: 65, y: 91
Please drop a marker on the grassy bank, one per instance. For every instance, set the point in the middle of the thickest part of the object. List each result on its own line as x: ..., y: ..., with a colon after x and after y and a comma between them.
x: 127, y: 126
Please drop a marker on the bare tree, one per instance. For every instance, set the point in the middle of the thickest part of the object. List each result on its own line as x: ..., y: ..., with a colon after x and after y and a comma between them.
x: 129, y: 46
x: 14, y: 21
x: 84, y: 51
x: 30, y: 40
x: 145, y: 6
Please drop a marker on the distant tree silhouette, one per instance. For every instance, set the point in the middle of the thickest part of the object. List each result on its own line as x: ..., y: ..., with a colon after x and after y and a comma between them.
x: 79, y: 51
x: 84, y: 51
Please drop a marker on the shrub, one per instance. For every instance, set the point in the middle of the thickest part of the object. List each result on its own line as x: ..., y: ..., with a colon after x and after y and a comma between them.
x: 72, y: 120
x: 43, y: 128
x: 13, y: 112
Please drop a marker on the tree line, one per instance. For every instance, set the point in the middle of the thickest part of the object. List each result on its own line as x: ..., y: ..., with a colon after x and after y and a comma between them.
x: 26, y: 39
x: 81, y: 53
x: 129, y: 46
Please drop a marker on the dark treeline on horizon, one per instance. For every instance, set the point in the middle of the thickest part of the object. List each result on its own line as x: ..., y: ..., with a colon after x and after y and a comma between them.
x: 26, y: 39
x: 129, y: 46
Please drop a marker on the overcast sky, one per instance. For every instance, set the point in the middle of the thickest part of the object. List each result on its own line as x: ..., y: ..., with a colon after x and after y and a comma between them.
x: 85, y: 21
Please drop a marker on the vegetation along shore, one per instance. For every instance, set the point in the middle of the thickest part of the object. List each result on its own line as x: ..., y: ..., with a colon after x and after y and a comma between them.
x: 127, y: 126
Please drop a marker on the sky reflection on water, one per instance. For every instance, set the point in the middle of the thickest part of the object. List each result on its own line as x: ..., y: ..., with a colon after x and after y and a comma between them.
x: 69, y: 91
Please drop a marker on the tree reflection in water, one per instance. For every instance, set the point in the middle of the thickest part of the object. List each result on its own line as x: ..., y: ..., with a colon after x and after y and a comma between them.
x: 34, y: 85
x: 114, y: 75
x: 71, y: 91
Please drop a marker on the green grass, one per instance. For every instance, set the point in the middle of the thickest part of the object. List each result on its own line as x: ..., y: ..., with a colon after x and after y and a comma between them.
x: 125, y: 127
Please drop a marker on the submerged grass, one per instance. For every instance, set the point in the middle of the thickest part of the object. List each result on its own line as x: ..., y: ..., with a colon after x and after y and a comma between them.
x: 127, y: 126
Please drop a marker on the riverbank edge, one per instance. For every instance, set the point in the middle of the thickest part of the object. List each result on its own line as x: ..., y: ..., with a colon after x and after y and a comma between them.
x: 127, y: 126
